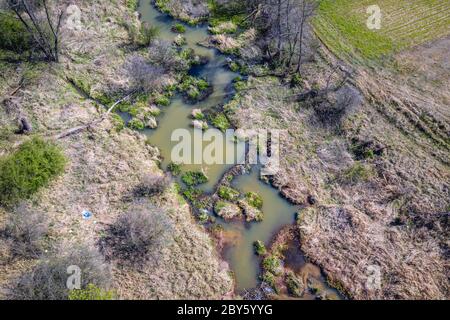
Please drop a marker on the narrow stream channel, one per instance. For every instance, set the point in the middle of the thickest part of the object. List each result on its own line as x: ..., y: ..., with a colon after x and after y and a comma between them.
x: 277, y: 211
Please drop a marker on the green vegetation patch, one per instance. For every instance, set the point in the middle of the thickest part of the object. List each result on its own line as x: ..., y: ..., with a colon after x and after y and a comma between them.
x: 192, y: 193
x: 29, y: 169
x: 254, y: 199
x: 162, y: 100
x: 13, y: 35
x: 228, y: 193
x: 174, y: 168
x: 132, y: 4
x: 260, y: 248
x: 359, y: 172
x: 233, y: 11
x: 118, y: 122
x: 194, y: 178
x: 344, y: 30
x: 91, y: 293
x: 342, y: 26
x: 136, y: 124
x: 270, y: 280
x: 272, y: 264
x: 194, y: 88
x: 178, y: 28
x: 221, y: 122
x: 294, y: 285
x: 147, y: 34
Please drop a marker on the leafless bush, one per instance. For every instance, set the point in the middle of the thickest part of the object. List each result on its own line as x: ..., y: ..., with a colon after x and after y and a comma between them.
x: 138, y: 235
x: 152, y: 184
x: 196, y: 9
x: 48, y: 280
x: 143, y: 75
x: 163, y: 53
x: 332, y: 113
x: 25, y: 230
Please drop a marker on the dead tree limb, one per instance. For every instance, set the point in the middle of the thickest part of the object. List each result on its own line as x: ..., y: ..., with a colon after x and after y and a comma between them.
x: 93, y: 123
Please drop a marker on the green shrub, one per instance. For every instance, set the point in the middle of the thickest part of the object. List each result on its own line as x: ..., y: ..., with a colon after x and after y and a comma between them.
x: 199, y: 116
x: 162, y: 100
x: 228, y: 193
x: 29, y: 169
x: 232, y: 11
x: 194, y: 178
x: 136, y: 124
x: 118, y: 122
x: 254, y: 199
x: 147, y: 34
x: 132, y: 4
x: 269, y: 279
x: 194, y: 87
x: 13, y: 35
x: 174, y: 168
x: 179, y: 28
x: 124, y: 106
x: 296, y: 80
x: 193, y: 93
x: 221, y: 122
x: 260, y: 248
x: 203, y: 217
x: 234, y: 66
x: 271, y: 264
x: 192, y: 194
x: 162, y: 5
x: 91, y: 293
x: 202, y: 84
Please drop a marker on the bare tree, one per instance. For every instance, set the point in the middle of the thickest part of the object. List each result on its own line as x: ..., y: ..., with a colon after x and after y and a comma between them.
x: 42, y: 23
x: 284, y: 27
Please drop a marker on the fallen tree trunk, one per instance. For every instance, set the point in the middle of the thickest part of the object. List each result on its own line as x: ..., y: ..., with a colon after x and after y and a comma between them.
x: 93, y: 123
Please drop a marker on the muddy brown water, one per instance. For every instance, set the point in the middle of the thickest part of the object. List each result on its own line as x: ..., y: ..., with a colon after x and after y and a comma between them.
x: 277, y: 211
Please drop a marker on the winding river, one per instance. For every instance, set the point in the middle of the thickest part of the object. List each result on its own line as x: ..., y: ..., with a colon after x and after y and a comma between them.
x: 277, y: 211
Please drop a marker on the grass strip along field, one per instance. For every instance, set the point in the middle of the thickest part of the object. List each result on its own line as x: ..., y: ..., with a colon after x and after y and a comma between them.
x: 341, y: 25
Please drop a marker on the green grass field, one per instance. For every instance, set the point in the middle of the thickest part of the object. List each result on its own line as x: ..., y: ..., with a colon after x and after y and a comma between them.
x: 341, y: 25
